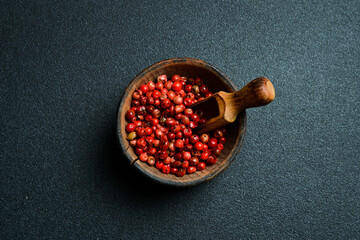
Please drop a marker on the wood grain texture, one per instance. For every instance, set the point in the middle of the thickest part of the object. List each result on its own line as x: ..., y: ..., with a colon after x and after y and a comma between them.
x: 216, y: 81
x: 256, y: 93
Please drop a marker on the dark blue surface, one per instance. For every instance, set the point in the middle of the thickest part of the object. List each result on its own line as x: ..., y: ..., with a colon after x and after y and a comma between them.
x: 65, y: 64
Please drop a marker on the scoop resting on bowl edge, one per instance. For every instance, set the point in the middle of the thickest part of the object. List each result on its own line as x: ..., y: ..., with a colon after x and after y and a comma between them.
x: 216, y: 81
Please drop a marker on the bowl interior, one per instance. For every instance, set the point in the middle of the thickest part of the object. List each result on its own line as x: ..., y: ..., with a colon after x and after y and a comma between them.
x: 216, y: 81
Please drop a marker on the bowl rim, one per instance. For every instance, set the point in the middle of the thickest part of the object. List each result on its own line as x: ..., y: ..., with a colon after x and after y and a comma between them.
x: 118, y: 128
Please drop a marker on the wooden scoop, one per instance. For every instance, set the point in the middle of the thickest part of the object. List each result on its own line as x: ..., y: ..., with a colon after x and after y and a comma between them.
x: 222, y: 108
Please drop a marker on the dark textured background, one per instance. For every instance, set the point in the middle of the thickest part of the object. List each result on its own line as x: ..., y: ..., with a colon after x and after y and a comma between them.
x: 64, y: 66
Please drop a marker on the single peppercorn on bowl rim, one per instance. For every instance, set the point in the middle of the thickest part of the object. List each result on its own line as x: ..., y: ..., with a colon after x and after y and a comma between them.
x: 217, y: 81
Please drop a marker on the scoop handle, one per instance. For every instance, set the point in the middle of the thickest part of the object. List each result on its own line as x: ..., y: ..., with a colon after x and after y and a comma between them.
x: 256, y: 93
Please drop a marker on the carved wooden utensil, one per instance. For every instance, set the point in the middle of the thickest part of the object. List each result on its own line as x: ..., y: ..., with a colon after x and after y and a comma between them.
x: 222, y: 108
x: 216, y: 81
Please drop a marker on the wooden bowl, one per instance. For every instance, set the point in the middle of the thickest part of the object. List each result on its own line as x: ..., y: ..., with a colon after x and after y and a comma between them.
x: 216, y: 81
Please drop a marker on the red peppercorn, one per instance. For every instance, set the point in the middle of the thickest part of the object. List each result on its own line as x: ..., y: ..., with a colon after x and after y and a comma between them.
x: 150, y: 139
x: 188, y: 112
x: 187, y: 132
x: 159, y: 164
x: 204, y: 89
x: 157, y: 102
x: 173, y: 170
x: 170, y: 122
x: 158, y: 133
x: 198, y: 81
x: 218, y: 133
x: 188, y: 102
x: 171, y: 95
x: 141, y: 110
x: 176, y: 86
x: 148, y: 118
x: 143, y: 157
x: 204, y: 138
x: 194, y: 139
x: 141, y: 143
x: 159, y: 85
x: 192, y: 124
x: 138, y: 151
x: 167, y: 160
x: 178, y: 99
x: 151, y: 160
x: 220, y: 146
x: 154, y: 121
x: 188, y: 147
x: 164, y: 92
x: 194, y: 161
x: 130, y: 114
x: 208, y: 94
x: 136, y: 95
x: 135, y: 102
x: 168, y: 85
x: 186, y: 155
x: 162, y: 154
x: 195, y: 118
x: 222, y: 140
x: 156, y: 142
x: 149, y: 109
x: 212, y: 143
x: 172, y: 110
x: 204, y: 155
x: 179, y: 108
x: 179, y: 143
x: 211, y: 160
x: 178, y: 156
x: 199, y: 146
x: 176, y: 163
x: 138, y: 124
x: 151, y: 151
x: 164, y: 145
x: 133, y: 143
x: 148, y: 131
x: 165, y: 169
x: 175, y: 128
x: 181, y: 172
x: 130, y: 127
x: 188, y: 88
x: 195, y: 89
x: 171, y: 136
x: 172, y: 147
x: 144, y: 88
x: 166, y: 103
x: 175, y: 78
x: 182, y: 93
x: 185, y: 164
x: 185, y: 119
x: 179, y: 135
x: 156, y: 94
x: 191, y: 169
x: 216, y: 151
x: 151, y: 86
x: 201, y: 166
x: 140, y: 132
x: 162, y: 78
